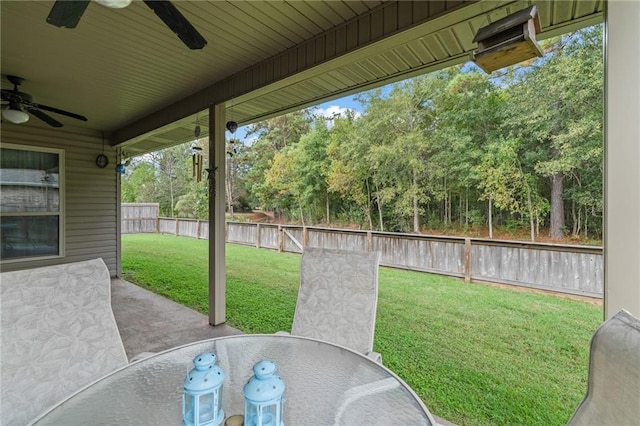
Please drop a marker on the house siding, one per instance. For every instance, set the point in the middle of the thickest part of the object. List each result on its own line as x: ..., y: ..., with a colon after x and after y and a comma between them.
x: 91, y: 205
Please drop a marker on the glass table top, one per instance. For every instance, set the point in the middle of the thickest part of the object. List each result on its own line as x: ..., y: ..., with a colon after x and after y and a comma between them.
x: 325, y: 385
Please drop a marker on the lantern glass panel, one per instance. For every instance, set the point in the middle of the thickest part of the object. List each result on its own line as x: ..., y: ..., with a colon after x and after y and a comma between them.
x: 206, y: 407
x: 189, y: 408
x: 218, y: 399
x: 262, y: 415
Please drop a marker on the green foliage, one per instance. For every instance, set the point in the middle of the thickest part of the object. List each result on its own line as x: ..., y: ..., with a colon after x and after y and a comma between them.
x: 476, y: 355
x: 195, y: 203
x: 139, y: 184
x: 456, y: 147
x: 555, y: 111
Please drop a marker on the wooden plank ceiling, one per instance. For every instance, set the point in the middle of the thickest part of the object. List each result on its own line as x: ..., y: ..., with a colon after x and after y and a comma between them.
x: 128, y: 73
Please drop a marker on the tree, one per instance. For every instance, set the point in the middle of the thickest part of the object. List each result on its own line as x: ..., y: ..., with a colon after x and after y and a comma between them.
x: 280, y: 181
x: 350, y: 176
x: 139, y: 183
x: 273, y: 135
x: 466, y: 109
x: 236, y: 171
x: 311, y: 166
x: 556, y: 107
x: 398, y: 151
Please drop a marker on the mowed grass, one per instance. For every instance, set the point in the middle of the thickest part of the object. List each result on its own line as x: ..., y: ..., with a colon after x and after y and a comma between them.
x: 476, y: 355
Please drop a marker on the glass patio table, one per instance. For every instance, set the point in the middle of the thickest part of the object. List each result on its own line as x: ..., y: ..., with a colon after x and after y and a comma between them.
x: 325, y: 384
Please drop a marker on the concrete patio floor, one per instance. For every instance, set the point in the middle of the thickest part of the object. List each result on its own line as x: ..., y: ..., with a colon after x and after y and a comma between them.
x: 152, y: 323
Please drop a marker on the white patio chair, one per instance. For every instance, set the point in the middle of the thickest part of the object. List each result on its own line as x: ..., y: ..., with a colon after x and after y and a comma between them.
x: 613, y: 388
x: 338, y: 297
x: 58, y: 335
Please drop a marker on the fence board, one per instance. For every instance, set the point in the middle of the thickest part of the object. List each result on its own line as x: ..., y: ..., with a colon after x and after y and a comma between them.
x: 563, y: 268
x: 139, y: 218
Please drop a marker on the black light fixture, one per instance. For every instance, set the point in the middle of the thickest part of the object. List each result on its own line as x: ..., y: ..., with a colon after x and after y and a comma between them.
x: 232, y: 126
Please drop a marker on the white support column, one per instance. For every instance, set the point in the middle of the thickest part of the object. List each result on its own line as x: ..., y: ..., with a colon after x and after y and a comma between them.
x: 622, y: 158
x: 217, y: 175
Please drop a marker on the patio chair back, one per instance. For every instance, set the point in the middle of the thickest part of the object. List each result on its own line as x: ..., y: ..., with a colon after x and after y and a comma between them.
x: 338, y: 297
x: 613, y: 389
x: 58, y: 335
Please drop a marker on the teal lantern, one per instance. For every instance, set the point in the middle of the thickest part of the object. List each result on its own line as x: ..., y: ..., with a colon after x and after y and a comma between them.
x: 263, y: 396
x: 202, y: 397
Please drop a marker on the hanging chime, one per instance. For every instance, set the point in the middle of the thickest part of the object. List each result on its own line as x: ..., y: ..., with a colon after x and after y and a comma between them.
x: 197, y: 160
x: 196, y: 156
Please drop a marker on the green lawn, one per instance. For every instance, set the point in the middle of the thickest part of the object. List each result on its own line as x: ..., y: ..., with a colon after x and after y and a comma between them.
x: 476, y: 355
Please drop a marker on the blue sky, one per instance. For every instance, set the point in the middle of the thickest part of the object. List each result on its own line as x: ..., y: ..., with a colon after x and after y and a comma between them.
x: 328, y: 109
x: 347, y: 102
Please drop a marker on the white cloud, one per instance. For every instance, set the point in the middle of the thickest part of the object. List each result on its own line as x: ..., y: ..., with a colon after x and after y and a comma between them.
x: 332, y: 111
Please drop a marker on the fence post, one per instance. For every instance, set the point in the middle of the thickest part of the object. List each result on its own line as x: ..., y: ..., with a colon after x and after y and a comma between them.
x: 305, y: 236
x: 177, y: 227
x: 369, y: 241
x: 280, y: 238
x: 157, y: 218
x: 197, y: 229
x: 226, y: 232
x: 467, y: 260
x: 257, y: 235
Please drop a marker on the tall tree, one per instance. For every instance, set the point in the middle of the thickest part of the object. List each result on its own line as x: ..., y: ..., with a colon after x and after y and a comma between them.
x: 467, y: 110
x: 312, y: 165
x: 398, y: 152
x: 271, y: 136
x: 556, y: 107
x: 139, y: 183
x: 350, y: 176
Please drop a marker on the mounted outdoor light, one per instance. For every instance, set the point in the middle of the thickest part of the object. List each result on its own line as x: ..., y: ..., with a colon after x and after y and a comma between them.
x: 232, y: 126
x: 508, y: 41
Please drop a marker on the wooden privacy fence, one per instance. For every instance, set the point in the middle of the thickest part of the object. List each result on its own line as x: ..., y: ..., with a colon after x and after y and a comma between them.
x: 139, y: 218
x: 562, y: 268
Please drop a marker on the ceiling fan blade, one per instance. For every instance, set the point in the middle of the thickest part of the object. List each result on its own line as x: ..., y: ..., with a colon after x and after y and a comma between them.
x: 177, y: 23
x: 44, y: 117
x: 67, y: 13
x: 60, y: 111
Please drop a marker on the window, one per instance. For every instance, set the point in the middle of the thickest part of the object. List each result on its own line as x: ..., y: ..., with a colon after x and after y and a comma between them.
x: 31, y: 202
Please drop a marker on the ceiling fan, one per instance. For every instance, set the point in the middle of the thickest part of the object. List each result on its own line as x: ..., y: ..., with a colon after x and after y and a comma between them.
x: 19, y: 103
x: 67, y: 14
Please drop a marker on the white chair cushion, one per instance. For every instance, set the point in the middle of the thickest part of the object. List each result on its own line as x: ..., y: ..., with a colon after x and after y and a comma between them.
x: 338, y: 297
x: 58, y: 335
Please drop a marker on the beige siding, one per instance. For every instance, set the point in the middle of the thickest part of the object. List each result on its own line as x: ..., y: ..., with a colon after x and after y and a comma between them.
x: 91, y: 203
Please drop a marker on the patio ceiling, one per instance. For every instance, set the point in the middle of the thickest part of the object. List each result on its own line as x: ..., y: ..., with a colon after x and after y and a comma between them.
x: 137, y: 82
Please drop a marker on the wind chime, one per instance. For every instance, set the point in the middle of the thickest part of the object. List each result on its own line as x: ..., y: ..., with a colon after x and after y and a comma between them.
x: 197, y: 160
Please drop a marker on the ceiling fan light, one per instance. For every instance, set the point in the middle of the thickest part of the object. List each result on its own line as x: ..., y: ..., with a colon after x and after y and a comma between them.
x: 15, y: 116
x: 114, y: 4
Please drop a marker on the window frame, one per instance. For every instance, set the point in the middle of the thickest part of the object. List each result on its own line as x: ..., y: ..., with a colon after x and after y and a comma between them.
x: 61, y: 203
